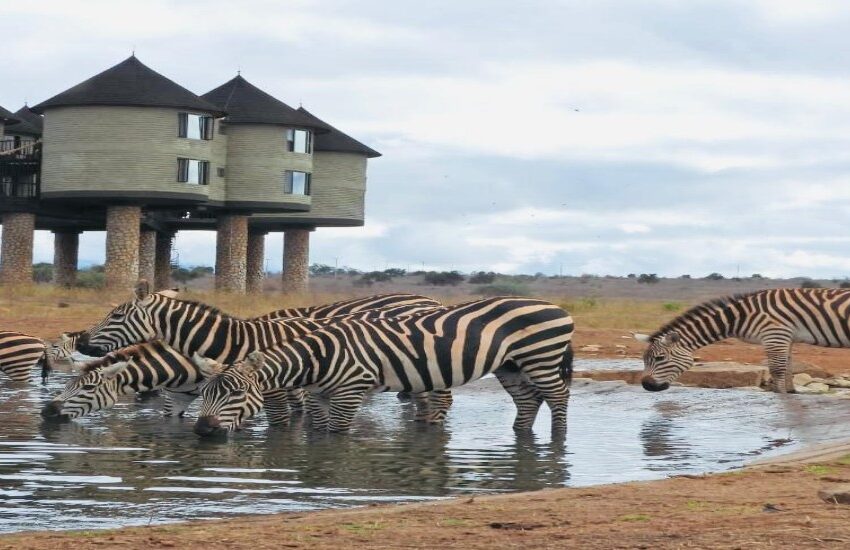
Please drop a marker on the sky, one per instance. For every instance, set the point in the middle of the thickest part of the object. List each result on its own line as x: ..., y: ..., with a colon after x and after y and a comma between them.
x: 575, y: 137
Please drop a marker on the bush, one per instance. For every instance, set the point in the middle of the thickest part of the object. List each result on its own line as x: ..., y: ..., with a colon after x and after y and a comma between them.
x: 91, y: 279
x: 648, y: 278
x: 844, y: 284
x: 184, y: 275
x: 757, y: 276
x: 482, y: 278
x: 503, y: 289
x: 715, y: 277
x: 395, y: 272
x: 685, y: 276
x: 808, y: 283
x: 375, y: 277
x: 443, y: 278
x: 42, y: 272
x: 321, y: 269
x: 672, y: 306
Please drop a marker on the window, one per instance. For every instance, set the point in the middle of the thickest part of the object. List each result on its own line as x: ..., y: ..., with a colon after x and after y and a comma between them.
x: 296, y: 183
x: 193, y: 171
x: 193, y: 126
x: 299, y: 141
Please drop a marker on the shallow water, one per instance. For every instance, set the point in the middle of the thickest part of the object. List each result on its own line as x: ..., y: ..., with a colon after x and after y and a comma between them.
x: 129, y: 466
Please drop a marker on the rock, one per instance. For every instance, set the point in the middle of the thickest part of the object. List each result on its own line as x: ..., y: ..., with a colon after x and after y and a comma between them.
x: 813, y: 388
x: 802, y: 379
x: 620, y: 346
x: 837, y: 382
x: 837, y: 494
x: 63, y: 305
x: 590, y: 347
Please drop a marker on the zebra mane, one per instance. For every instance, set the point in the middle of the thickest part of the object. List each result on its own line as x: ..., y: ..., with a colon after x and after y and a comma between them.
x: 698, y: 310
x: 207, y: 307
x: 123, y: 354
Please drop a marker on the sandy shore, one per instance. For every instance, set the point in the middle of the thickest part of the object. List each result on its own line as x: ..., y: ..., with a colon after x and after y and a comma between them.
x: 770, y: 506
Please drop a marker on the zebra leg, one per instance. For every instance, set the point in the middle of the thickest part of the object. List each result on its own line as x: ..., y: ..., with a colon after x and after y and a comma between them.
x: 297, y: 397
x: 176, y: 403
x: 319, y: 410
x: 526, y: 397
x: 439, y: 402
x: 420, y: 403
x: 547, y: 378
x: 276, y: 403
x: 344, y: 404
x: 779, y: 365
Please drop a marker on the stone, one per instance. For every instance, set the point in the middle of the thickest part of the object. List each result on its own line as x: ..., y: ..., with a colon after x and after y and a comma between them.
x: 837, y: 494
x: 256, y: 271
x: 66, y: 246
x: 231, y: 249
x: 837, y: 383
x: 147, y: 255
x: 802, y: 379
x: 162, y: 261
x: 122, y: 246
x: 296, y: 260
x: 812, y: 388
x: 16, y: 248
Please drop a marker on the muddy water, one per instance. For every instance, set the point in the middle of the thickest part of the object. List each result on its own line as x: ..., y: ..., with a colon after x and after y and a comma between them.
x: 130, y: 466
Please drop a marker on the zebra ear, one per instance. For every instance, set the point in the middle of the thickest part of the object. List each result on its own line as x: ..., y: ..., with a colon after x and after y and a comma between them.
x: 671, y: 338
x: 254, y: 361
x: 641, y: 337
x: 208, y: 367
x: 169, y: 292
x: 65, y: 338
x: 112, y: 371
x: 143, y: 289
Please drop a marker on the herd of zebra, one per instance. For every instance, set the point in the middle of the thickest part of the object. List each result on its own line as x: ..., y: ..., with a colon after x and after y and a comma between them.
x: 325, y: 360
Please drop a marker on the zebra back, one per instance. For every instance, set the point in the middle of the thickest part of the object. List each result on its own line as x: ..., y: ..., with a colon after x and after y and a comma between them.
x: 356, y: 305
x: 19, y: 353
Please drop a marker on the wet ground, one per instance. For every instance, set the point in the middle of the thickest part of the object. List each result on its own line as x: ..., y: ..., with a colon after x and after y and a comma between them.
x: 129, y: 466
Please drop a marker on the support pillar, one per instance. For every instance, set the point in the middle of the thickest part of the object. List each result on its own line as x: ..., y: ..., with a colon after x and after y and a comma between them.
x: 122, y: 246
x: 16, y: 249
x: 296, y: 260
x: 147, y: 255
x: 231, y: 249
x: 256, y: 257
x: 66, y: 246
x: 162, y: 269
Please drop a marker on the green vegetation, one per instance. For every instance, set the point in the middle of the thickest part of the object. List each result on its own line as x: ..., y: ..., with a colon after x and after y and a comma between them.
x: 819, y: 470
x: 634, y: 517
x: 504, y: 289
x: 443, y: 278
x: 482, y: 277
x: 648, y: 278
x: 184, y: 275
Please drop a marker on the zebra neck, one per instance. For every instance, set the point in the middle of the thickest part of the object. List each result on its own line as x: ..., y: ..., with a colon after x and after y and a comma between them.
x: 706, y: 324
x: 126, y: 383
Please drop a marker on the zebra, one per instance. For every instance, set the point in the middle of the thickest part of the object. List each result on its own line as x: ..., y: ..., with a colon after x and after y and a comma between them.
x: 193, y: 327
x: 19, y: 353
x: 63, y: 349
x: 775, y: 318
x: 138, y: 368
x: 406, y: 304
x: 525, y: 342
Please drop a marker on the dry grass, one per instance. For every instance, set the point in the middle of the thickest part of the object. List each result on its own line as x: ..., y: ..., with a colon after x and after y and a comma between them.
x: 36, y: 309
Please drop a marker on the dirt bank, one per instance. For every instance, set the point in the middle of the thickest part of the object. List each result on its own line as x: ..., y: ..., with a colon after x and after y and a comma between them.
x: 769, y: 507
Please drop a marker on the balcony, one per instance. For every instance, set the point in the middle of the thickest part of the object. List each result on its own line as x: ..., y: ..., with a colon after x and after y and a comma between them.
x: 20, y: 173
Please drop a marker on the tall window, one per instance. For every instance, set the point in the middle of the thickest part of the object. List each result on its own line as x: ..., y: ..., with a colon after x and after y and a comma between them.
x: 296, y: 183
x: 299, y: 141
x: 193, y: 171
x: 194, y: 126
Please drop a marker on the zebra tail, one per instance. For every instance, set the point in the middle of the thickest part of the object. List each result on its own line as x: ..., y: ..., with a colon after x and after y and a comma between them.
x: 567, y: 365
x: 46, y: 367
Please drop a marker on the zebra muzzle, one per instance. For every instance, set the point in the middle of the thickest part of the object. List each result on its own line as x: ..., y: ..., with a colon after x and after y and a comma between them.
x: 209, y: 426
x: 91, y: 351
x: 53, y: 409
x: 650, y: 384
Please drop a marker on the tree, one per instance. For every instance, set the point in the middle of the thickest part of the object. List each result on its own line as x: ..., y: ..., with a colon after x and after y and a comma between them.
x: 648, y: 278
x: 714, y: 277
x: 443, y: 278
x: 482, y: 277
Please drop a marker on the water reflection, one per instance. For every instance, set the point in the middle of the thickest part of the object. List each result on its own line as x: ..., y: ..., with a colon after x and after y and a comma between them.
x: 129, y: 465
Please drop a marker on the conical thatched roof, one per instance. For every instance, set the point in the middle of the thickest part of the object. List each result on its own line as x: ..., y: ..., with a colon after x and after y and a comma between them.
x: 338, y: 141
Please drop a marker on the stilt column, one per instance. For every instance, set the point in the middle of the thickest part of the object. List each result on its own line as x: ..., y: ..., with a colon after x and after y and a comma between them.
x: 122, y: 246
x: 230, y: 253
x: 256, y: 257
x: 296, y: 260
x: 147, y: 255
x: 162, y: 276
x: 16, y: 250
x: 66, y: 246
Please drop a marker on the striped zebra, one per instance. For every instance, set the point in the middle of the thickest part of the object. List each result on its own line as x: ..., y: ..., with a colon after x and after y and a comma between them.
x: 140, y: 368
x: 63, y: 349
x: 19, y: 353
x: 524, y: 342
x: 390, y: 304
x: 774, y: 318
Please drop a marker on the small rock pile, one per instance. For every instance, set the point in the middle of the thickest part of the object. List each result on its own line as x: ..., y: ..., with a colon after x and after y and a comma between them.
x: 838, y: 385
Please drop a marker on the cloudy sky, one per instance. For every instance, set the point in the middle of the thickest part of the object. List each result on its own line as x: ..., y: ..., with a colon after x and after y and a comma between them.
x: 596, y: 136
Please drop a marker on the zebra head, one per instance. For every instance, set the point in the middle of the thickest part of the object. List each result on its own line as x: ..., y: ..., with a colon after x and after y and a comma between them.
x: 96, y: 388
x: 664, y: 360
x: 130, y: 323
x: 230, y: 394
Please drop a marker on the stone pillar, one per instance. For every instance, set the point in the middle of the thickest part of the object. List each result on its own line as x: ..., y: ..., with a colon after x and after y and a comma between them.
x: 66, y: 246
x: 147, y: 255
x: 162, y: 269
x: 16, y: 250
x: 231, y: 248
x: 122, y: 246
x: 296, y: 260
x: 256, y: 258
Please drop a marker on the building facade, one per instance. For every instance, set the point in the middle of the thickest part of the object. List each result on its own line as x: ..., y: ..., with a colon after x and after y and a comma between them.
x: 133, y: 153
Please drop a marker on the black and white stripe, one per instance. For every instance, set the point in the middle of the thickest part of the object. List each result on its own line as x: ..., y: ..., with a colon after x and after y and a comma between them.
x: 19, y: 353
x: 775, y: 318
x: 524, y: 342
x: 405, y: 304
x: 63, y: 349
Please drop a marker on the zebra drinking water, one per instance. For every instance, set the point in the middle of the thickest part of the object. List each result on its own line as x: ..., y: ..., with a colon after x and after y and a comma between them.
x: 773, y: 318
x: 524, y: 342
x: 19, y: 353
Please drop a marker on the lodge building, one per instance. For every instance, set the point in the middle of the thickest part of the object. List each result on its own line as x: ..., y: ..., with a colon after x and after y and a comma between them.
x: 135, y: 154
